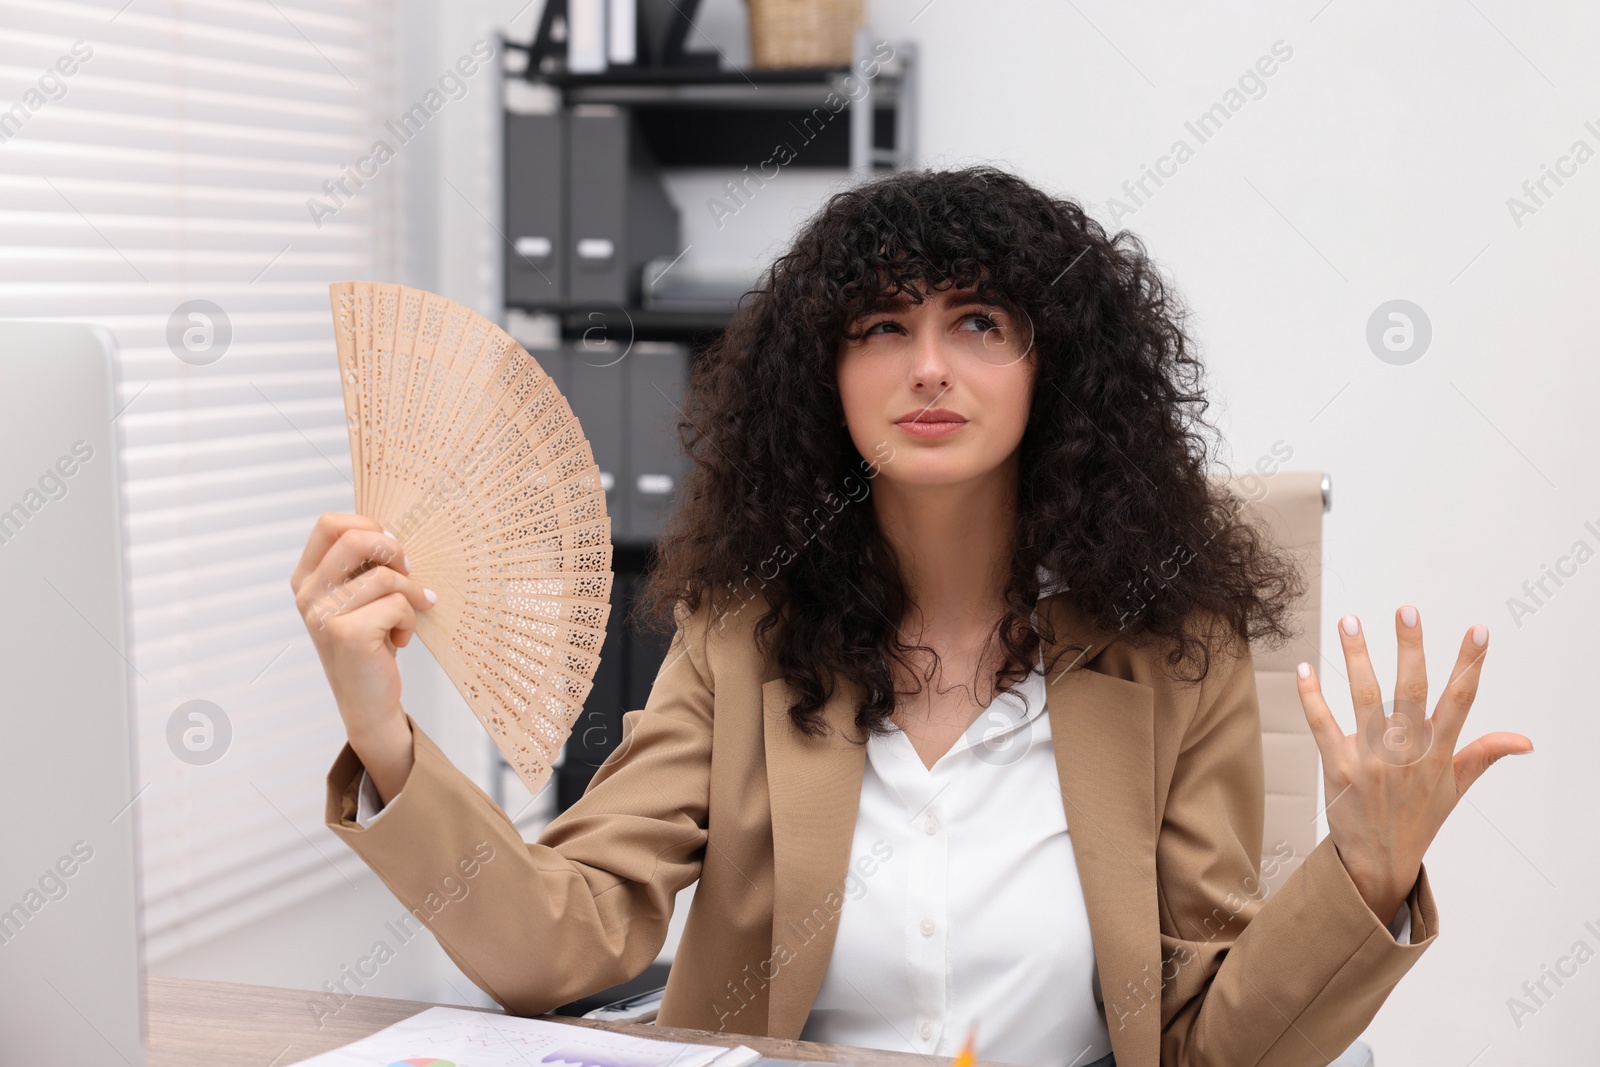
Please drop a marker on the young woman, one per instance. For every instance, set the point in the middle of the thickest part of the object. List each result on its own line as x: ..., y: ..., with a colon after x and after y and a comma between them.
x: 958, y: 724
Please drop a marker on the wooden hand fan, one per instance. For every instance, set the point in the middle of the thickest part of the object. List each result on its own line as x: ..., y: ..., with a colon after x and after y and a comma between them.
x: 464, y: 449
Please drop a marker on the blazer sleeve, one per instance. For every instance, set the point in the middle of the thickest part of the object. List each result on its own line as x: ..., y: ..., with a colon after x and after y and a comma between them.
x: 1286, y: 980
x: 537, y: 925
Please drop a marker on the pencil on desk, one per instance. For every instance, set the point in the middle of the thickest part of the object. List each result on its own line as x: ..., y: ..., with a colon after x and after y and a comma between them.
x: 965, y: 1057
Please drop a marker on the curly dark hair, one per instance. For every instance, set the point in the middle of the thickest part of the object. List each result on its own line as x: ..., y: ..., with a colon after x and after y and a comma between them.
x: 1113, y: 483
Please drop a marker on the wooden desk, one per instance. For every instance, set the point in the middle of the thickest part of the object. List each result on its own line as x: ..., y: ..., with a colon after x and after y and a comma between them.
x: 223, y: 1024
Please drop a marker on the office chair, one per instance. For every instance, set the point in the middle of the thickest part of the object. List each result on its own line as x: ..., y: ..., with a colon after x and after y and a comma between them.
x: 1288, y: 507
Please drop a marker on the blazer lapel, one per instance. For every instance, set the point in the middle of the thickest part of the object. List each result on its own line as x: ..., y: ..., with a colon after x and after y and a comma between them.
x: 1103, y: 730
x: 814, y: 787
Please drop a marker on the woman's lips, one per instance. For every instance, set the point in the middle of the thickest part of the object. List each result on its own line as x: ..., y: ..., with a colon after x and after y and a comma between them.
x: 922, y: 428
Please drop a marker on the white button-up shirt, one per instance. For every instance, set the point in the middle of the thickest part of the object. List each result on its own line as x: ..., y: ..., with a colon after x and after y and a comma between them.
x: 963, y: 903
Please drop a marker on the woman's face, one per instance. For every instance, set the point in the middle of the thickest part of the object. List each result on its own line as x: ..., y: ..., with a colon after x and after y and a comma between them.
x: 946, y: 383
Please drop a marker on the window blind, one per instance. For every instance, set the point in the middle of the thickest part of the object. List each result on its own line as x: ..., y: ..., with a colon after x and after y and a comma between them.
x: 153, y: 154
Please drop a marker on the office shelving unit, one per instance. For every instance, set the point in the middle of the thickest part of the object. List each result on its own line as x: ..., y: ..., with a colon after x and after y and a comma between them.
x: 585, y: 209
x: 690, y: 118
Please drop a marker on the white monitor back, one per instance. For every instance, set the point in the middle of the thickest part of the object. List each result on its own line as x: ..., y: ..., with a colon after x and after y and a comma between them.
x: 70, y: 952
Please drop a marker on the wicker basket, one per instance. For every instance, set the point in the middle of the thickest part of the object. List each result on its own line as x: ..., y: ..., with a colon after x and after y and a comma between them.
x: 802, y: 33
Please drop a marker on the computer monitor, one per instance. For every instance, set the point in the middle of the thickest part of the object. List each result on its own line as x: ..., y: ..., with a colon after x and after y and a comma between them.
x: 70, y: 950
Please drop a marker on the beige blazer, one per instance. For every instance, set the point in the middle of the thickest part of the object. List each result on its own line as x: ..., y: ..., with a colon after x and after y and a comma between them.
x: 1163, y: 791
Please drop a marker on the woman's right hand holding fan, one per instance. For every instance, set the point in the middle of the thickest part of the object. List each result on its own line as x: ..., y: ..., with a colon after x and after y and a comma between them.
x: 354, y: 591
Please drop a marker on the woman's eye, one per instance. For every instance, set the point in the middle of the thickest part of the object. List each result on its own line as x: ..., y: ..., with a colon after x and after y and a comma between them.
x: 986, y: 323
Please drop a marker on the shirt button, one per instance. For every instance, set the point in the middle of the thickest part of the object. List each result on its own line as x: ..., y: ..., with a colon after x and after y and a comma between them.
x: 926, y: 1031
x: 931, y: 824
x: 927, y: 927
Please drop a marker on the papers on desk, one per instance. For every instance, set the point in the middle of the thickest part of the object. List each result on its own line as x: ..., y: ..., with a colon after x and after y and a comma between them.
x: 457, y: 1037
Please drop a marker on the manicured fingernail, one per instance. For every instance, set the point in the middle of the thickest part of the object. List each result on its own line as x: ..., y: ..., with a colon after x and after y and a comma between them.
x: 1408, y: 615
x: 1351, y: 626
x: 1480, y: 635
x: 433, y: 598
x: 1304, y: 670
x: 386, y: 532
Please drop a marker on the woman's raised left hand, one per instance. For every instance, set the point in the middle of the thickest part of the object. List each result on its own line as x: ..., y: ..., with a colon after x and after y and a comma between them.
x: 1390, y: 785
